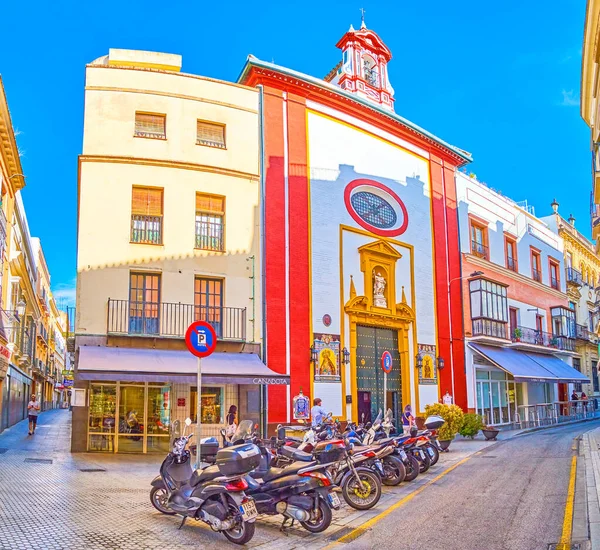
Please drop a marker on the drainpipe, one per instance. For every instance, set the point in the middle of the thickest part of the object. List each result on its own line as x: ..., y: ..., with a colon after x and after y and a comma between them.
x: 264, y: 393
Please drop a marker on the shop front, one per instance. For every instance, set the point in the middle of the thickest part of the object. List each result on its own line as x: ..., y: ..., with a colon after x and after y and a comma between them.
x: 135, y: 394
x: 510, y: 385
x: 16, y: 390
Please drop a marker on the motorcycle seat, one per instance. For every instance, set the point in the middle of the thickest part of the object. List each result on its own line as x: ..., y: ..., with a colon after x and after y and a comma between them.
x: 274, y: 473
x: 295, y: 454
x: 204, y: 475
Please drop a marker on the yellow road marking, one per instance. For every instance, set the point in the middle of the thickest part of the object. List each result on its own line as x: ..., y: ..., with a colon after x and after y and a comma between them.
x: 565, y: 539
x: 355, y: 533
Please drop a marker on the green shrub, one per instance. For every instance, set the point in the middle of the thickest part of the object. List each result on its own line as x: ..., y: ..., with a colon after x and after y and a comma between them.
x: 452, y: 414
x: 471, y: 425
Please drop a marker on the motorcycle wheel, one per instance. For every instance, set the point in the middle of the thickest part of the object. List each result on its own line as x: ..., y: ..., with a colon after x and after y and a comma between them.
x: 412, y: 468
x: 436, y: 455
x: 241, y: 533
x: 394, y: 471
x: 321, y: 520
x: 366, y: 498
x: 158, y: 498
x: 424, y: 464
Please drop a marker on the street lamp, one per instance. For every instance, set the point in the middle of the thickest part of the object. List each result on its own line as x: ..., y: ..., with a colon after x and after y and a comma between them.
x: 21, y: 307
x: 346, y: 356
x: 440, y: 362
x: 314, y: 355
x: 418, y: 361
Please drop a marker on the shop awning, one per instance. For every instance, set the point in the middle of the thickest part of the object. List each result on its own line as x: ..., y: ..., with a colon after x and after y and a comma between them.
x: 528, y: 366
x: 152, y: 365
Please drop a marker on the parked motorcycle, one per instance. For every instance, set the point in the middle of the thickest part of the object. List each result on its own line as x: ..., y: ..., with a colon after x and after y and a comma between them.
x: 213, y: 494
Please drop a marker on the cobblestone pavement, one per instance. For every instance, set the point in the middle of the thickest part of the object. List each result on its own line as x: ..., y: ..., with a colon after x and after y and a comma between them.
x: 55, y: 505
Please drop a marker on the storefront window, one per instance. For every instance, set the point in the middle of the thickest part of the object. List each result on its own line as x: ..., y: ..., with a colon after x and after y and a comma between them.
x: 131, y: 419
x: 159, y: 419
x: 101, y: 423
x: 212, y: 405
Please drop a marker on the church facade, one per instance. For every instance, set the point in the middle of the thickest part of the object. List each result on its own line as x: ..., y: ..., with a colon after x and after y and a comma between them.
x: 360, y: 247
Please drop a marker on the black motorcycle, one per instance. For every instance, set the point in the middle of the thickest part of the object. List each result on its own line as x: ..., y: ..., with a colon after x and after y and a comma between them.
x: 301, y: 491
x: 214, y: 494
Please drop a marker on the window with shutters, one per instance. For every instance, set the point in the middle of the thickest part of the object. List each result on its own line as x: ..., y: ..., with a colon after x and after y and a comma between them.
x: 210, y: 134
x: 147, y: 215
x: 210, y: 222
x: 150, y: 125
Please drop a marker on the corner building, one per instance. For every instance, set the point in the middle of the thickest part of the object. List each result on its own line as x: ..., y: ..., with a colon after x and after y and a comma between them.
x: 360, y: 240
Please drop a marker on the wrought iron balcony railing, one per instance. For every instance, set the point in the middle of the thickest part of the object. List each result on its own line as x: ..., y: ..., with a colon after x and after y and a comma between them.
x: 210, y: 235
x: 574, y: 276
x: 528, y: 335
x: 554, y: 283
x: 171, y: 320
x: 536, y: 274
x: 479, y: 250
x: 511, y: 263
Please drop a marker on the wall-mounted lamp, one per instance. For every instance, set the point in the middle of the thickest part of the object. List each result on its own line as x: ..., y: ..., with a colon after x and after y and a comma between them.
x: 346, y: 356
x: 418, y: 361
x: 21, y: 307
x: 314, y: 355
x: 440, y: 363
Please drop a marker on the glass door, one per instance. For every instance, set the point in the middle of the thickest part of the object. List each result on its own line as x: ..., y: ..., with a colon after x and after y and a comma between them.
x: 132, y: 411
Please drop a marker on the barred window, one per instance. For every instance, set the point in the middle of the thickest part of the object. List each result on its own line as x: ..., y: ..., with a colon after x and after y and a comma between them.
x: 150, y: 125
x: 210, y: 222
x: 146, y: 215
x: 210, y: 134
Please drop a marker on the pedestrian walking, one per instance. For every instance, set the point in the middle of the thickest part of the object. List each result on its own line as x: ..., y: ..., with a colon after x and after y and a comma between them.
x: 33, y: 410
x: 584, y: 400
x: 317, y: 413
x: 408, y: 419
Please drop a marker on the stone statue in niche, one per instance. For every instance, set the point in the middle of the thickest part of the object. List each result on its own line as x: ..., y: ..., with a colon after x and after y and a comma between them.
x: 379, y: 290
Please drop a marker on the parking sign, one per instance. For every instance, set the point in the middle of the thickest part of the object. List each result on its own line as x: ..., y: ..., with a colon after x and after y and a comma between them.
x: 201, y: 339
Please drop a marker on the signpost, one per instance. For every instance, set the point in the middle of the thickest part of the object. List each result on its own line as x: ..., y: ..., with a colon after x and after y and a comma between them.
x: 386, y: 366
x: 201, y: 341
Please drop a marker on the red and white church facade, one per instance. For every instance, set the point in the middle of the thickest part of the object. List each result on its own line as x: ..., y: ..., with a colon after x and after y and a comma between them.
x: 361, y: 245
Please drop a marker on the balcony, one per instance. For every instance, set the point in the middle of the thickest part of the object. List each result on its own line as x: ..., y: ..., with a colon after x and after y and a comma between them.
x: 584, y: 333
x: 170, y: 320
x: 479, y: 250
x: 489, y: 327
x: 70, y: 336
x: 530, y: 336
x: 146, y: 229
x: 536, y: 275
x: 595, y: 220
x: 511, y: 264
x: 554, y: 283
x: 574, y: 277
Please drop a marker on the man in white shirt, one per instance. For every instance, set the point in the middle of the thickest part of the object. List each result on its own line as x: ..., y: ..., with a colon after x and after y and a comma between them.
x: 33, y: 410
x: 317, y: 413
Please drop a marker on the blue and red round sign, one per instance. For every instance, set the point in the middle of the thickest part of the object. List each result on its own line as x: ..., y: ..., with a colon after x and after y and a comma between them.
x: 386, y: 362
x: 201, y: 339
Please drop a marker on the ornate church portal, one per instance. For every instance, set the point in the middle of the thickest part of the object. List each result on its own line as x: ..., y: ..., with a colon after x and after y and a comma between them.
x: 372, y: 342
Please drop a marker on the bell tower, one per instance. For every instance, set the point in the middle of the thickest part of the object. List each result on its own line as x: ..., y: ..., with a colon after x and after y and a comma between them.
x: 363, y: 69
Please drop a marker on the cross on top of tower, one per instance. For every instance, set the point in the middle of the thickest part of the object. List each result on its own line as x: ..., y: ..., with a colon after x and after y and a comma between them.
x: 362, y: 18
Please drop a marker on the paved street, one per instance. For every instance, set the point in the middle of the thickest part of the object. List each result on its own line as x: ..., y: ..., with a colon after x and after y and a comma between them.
x: 510, y: 495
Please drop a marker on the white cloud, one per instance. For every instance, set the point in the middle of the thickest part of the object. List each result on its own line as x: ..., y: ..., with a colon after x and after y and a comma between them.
x: 64, y: 294
x: 569, y: 99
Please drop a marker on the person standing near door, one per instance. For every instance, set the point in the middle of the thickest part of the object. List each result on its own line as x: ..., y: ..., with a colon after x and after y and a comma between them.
x: 317, y: 413
x: 33, y: 410
x: 408, y: 419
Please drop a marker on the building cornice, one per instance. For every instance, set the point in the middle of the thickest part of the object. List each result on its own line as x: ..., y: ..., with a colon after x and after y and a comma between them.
x: 9, y: 151
x: 513, y: 275
x: 581, y: 249
x: 169, y: 94
x: 168, y: 164
x: 588, y: 59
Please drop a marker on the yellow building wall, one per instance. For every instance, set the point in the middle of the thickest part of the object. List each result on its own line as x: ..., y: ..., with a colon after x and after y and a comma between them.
x: 105, y: 254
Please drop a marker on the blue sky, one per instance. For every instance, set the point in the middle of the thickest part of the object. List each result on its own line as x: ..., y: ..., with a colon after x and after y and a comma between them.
x: 501, y: 81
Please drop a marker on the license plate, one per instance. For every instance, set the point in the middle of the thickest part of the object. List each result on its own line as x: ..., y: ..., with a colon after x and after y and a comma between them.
x: 422, y: 455
x: 334, y: 500
x: 248, y: 510
x: 430, y: 451
x: 403, y: 455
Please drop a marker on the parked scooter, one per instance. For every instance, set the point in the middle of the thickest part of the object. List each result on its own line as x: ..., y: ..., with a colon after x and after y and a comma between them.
x: 214, y: 494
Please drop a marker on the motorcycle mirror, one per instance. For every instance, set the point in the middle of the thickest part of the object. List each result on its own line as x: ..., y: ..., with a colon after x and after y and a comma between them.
x: 188, y: 421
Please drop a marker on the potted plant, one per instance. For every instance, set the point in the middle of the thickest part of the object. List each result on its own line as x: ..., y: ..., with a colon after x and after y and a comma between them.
x: 490, y: 432
x: 453, y: 416
x: 471, y: 425
x: 517, y: 333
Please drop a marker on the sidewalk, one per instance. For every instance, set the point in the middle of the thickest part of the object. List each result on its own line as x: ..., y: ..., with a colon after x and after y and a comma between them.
x: 586, y: 525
